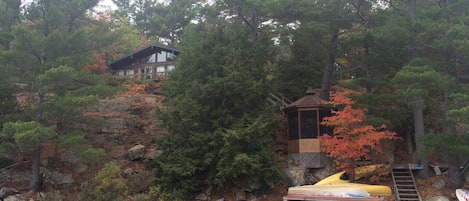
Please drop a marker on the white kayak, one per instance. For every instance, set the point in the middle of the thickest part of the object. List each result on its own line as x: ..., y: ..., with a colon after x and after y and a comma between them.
x: 462, y: 194
x: 338, y: 190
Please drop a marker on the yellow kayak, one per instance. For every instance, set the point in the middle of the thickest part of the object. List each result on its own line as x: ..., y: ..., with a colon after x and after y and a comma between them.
x: 341, y: 178
x: 337, y: 178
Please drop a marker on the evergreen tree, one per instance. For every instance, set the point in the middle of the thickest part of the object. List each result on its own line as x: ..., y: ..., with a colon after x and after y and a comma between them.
x: 421, y: 86
x: 168, y: 20
x: 220, y: 125
x: 9, y: 17
x: 441, y: 35
x: 52, y: 34
x: 60, y: 115
x: 30, y: 135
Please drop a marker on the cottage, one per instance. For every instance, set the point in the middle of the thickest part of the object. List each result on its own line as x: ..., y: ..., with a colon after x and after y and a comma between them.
x: 152, y: 62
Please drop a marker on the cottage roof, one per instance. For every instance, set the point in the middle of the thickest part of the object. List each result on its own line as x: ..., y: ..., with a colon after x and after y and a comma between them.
x: 141, y: 54
x: 310, y: 100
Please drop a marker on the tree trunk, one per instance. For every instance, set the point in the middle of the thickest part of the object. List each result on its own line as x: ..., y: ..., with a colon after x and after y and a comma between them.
x: 419, y: 132
x: 454, y: 174
x: 36, y: 178
x: 366, y: 65
x: 412, y: 8
x: 412, y: 44
x: 329, y: 68
x: 410, y: 145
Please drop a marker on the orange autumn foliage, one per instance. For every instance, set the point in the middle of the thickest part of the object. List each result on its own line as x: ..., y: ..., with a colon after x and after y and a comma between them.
x: 134, y: 89
x: 351, y: 139
x: 97, y: 66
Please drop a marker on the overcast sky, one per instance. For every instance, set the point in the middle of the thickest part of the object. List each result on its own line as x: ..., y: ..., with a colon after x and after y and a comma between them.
x: 107, y: 4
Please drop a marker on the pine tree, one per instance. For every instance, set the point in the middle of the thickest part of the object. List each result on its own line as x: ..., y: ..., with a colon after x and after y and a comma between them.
x: 220, y: 125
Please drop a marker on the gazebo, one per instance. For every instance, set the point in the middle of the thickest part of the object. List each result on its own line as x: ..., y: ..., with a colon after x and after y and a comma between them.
x: 304, y: 117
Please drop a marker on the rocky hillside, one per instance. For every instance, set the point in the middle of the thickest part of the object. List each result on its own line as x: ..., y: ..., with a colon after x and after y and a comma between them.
x: 129, y: 125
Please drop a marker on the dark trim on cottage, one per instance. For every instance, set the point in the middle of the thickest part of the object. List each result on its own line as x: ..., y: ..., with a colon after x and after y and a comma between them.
x: 134, y: 57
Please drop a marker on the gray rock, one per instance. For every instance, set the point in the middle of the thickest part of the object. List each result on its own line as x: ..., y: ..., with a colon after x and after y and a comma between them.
x: 13, y: 198
x: 439, y: 184
x: 6, y: 192
x: 240, y: 195
x: 221, y: 199
x: 153, y: 154
x: 253, y: 199
x: 201, y: 196
x: 119, y: 138
x: 137, y: 152
x: 55, y: 177
x: 80, y: 168
x: 438, y: 198
x: 129, y: 172
x: 296, y: 175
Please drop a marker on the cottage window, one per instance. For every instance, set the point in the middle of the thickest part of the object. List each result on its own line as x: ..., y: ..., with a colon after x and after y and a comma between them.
x: 161, y: 57
x: 309, y: 124
x: 293, y: 126
x: 324, y: 129
x: 160, y: 69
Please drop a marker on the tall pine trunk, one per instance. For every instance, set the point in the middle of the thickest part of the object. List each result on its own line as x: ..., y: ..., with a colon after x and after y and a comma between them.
x: 454, y: 174
x: 36, y: 178
x: 419, y: 132
x: 329, y: 68
x: 412, y: 38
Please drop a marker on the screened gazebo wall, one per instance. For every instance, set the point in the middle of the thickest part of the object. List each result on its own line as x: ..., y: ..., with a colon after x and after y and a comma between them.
x: 304, y: 118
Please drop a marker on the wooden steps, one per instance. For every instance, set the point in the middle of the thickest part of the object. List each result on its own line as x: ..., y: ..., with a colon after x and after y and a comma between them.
x: 404, y: 185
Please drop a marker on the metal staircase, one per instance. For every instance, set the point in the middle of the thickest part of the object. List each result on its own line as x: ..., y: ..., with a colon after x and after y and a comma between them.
x: 404, y: 184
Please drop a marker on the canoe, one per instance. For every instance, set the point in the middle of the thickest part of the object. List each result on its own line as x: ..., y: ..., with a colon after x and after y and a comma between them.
x: 322, y: 198
x: 462, y: 194
x: 351, y: 191
x: 341, y: 178
x: 337, y: 178
x: 373, y: 190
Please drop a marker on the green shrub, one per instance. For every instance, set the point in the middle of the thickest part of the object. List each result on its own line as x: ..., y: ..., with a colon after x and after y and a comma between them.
x: 156, y: 194
x: 107, y: 185
x: 92, y: 156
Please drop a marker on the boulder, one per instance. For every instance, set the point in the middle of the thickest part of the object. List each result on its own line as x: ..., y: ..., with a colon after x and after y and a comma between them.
x: 6, y: 192
x: 13, y: 198
x: 137, y: 152
x: 129, y: 172
x: 438, y: 198
x: 201, y: 196
x: 153, y: 154
x: 55, y: 177
x: 439, y: 184
x: 240, y: 195
x: 296, y: 175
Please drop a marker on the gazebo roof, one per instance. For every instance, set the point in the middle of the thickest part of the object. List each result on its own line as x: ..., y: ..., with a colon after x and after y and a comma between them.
x: 310, y: 100
x: 141, y: 54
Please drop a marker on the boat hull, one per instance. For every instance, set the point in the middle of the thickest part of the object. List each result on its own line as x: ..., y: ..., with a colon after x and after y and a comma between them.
x: 329, y: 191
x: 462, y: 194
